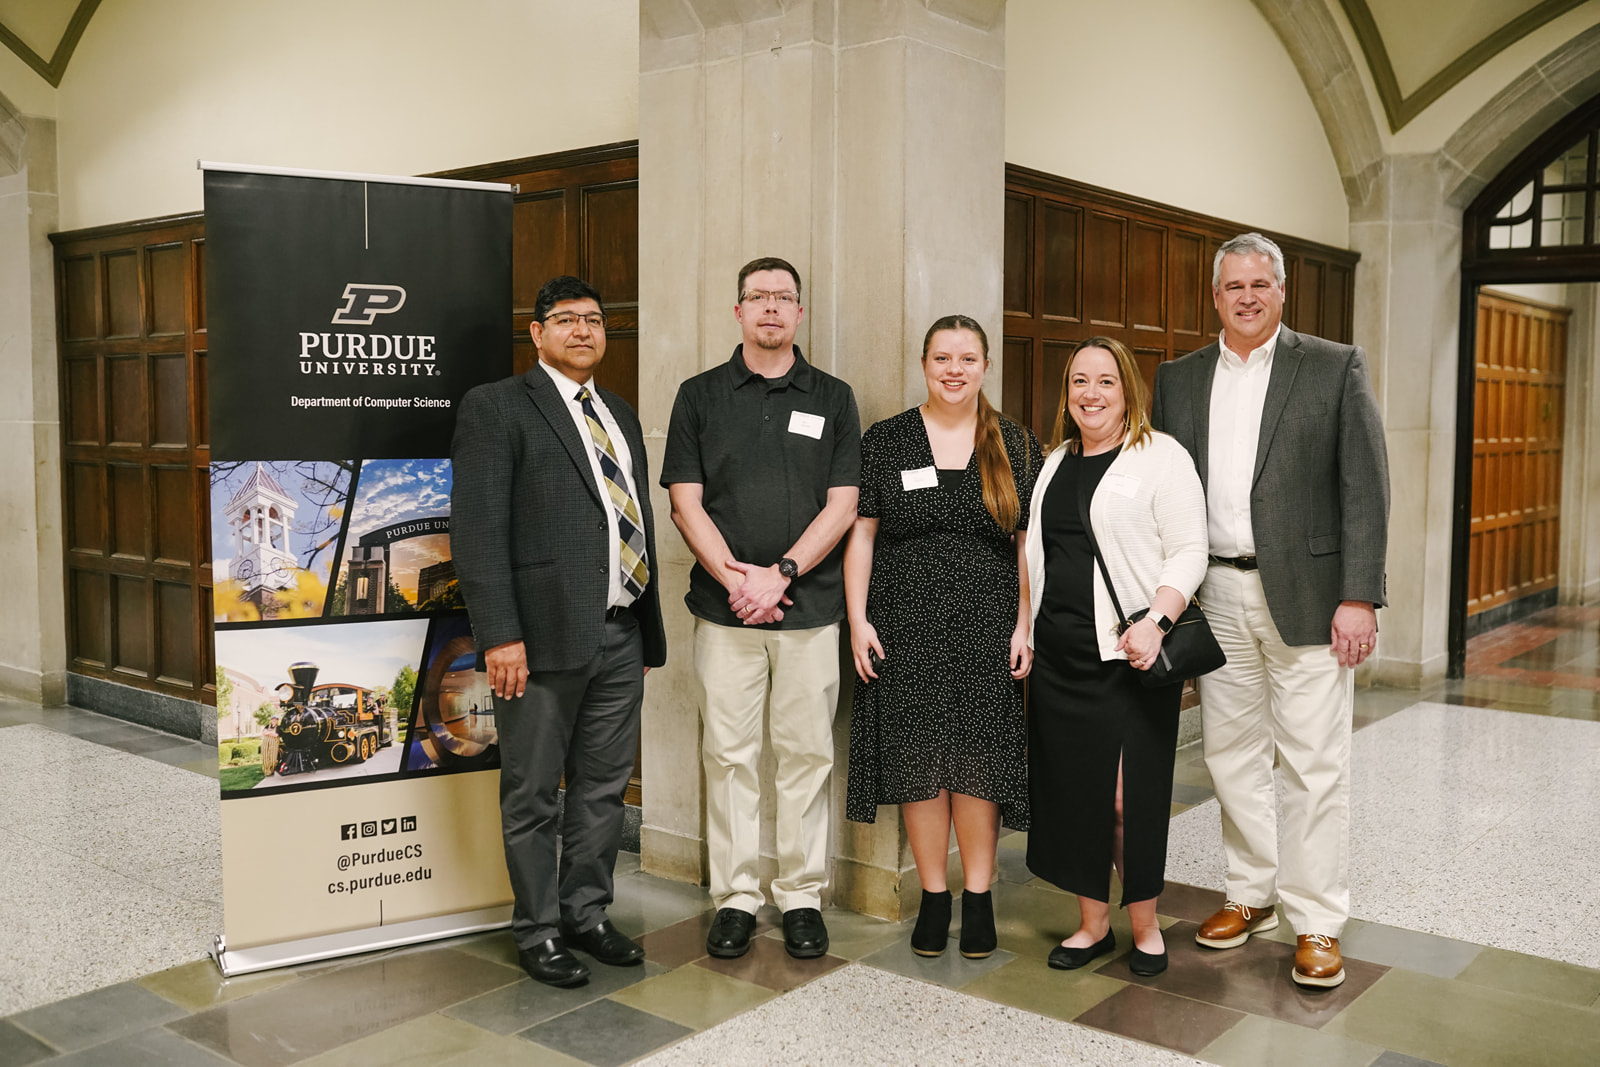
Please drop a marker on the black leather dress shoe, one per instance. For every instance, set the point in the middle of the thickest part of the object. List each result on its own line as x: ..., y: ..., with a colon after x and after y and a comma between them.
x: 550, y: 962
x: 804, y: 934
x: 608, y: 945
x: 1063, y: 958
x: 729, y: 936
x: 1147, y: 964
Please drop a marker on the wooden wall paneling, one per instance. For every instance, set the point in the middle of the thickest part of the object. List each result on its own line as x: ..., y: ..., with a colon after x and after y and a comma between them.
x: 123, y: 302
x: 1082, y: 261
x: 1016, y: 390
x: 1105, y: 273
x: 1146, y: 277
x: 1017, y: 293
x: 1189, y: 285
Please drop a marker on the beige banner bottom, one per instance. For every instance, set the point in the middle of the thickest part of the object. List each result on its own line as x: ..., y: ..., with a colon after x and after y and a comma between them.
x: 360, y: 867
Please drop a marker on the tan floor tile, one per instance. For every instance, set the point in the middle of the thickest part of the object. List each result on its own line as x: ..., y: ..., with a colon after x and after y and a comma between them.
x: 421, y: 1042
x: 1545, y: 979
x: 1257, y: 1040
x: 199, y: 985
x: 694, y: 997
x: 1031, y: 985
x: 1455, y: 1022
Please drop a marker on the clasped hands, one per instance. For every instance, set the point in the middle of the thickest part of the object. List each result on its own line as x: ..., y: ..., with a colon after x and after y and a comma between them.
x: 760, y: 596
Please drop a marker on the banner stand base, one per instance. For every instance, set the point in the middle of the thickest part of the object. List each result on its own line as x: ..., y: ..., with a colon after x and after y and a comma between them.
x: 234, y: 962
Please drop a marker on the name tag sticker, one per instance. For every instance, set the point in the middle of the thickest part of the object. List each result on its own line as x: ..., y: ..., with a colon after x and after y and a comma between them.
x: 804, y: 423
x: 1121, y: 484
x: 926, y: 478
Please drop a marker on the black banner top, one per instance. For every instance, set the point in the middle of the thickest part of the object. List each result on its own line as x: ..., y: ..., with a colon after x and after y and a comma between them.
x: 347, y: 318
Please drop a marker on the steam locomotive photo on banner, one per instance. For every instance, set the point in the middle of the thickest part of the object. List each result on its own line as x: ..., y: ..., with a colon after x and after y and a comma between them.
x: 314, y: 703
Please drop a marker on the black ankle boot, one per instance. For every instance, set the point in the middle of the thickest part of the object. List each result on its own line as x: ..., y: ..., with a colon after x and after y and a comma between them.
x: 977, y: 925
x: 933, y: 924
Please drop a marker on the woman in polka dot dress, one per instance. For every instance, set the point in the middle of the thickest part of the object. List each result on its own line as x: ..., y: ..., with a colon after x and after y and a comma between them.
x: 936, y: 591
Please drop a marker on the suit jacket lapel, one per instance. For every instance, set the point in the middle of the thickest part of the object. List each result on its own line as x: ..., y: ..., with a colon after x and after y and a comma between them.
x: 550, y: 404
x: 1207, y: 370
x: 1286, y: 360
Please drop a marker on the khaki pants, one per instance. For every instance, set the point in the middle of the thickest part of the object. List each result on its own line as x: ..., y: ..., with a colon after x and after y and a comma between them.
x: 1295, y: 701
x: 738, y: 669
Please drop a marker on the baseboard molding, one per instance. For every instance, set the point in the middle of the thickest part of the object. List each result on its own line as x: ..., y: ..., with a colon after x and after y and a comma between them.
x: 1407, y: 674
x: 1511, y: 611
x: 186, y: 718
x: 875, y: 891
x: 47, y: 688
x: 667, y: 854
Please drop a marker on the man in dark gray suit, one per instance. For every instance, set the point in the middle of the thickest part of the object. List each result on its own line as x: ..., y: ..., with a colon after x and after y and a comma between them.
x: 1285, y: 432
x: 554, y: 546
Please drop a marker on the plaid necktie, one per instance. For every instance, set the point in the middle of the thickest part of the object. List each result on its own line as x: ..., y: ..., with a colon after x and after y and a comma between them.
x: 630, y: 528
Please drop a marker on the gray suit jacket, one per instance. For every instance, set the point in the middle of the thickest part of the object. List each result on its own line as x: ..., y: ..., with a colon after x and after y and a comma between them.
x: 1319, y: 505
x: 528, y: 526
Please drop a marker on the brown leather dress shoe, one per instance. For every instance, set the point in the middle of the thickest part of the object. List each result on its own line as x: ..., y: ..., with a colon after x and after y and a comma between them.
x: 1317, y: 962
x: 1233, y: 925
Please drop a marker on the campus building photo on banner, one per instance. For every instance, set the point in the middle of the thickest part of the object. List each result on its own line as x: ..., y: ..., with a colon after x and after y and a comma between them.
x: 357, y: 743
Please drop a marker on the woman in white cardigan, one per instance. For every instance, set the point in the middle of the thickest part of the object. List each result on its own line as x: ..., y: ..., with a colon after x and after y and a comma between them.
x: 1101, y: 743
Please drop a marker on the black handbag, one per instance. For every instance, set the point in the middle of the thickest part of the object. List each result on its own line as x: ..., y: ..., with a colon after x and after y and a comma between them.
x: 1188, y: 650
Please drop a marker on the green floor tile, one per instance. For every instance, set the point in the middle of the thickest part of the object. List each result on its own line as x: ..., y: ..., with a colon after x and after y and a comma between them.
x: 694, y: 997
x: 1257, y: 1040
x: 1466, y: 1025
x: 1531, y: 976
x: 511, y: 1052
x: 418, y: 1043
x: 1029, y: 984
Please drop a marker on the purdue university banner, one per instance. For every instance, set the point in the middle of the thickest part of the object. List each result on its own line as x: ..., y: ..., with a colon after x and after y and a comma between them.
x: 358, y: 755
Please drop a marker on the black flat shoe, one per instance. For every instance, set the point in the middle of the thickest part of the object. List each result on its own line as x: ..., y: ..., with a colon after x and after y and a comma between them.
x: 977, y: 925
x: 551, y: 963
x: 729, y: 936
x: 804, y: 934
x: 608, y: 945
x: 1147, y: 964
x: 933, y: 924
x: 1063, y: 958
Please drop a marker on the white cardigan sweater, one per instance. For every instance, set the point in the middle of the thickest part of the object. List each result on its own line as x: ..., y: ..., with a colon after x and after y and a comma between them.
x: 1149, y: 515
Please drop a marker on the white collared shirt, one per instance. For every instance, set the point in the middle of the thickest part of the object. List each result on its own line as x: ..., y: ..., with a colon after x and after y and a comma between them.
x: 618, y: 597
x: 1238, y: 393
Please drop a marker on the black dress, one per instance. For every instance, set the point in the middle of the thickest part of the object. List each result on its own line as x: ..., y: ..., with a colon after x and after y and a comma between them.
x: 944, y: 712
x: 1084, y: 713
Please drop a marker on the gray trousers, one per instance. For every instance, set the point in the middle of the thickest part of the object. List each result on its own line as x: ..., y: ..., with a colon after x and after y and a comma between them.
x: 584, y: 723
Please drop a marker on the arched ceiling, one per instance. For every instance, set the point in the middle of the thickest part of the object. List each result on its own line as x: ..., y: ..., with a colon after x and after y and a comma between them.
x: 43, y: 33
x: 1417, y: 50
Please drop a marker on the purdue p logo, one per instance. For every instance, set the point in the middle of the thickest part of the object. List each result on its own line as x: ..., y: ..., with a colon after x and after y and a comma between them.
x: 363, y: 303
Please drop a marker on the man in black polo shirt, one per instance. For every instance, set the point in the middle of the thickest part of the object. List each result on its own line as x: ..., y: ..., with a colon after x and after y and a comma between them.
x: 763, y: 465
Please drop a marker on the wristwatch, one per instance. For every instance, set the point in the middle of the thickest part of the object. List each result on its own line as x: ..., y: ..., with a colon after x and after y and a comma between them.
x: 788, y: 568
x: 1163, y: 623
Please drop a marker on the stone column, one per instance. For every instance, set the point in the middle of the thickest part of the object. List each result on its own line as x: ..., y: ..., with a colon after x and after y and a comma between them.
x: 863, y: 142
x: 1407, y: 304
x: 32, y: 624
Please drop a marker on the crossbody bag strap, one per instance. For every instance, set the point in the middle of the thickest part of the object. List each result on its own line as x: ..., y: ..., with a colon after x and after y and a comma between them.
x: 1094, y: 545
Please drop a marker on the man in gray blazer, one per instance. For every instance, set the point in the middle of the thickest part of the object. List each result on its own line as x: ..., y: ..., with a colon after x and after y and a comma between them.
x: 1285, y: 432
x: 554, y: 545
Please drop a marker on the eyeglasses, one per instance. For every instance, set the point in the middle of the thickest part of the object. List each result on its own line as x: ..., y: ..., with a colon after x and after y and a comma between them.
x: 568, y: 321
x: 784, y: 298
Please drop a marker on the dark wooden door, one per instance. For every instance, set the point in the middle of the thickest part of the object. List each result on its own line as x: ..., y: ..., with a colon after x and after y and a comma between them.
x: 131, y: 322
x: 1516, y: 450
x: 577, y: 213
x: 1082, y: 261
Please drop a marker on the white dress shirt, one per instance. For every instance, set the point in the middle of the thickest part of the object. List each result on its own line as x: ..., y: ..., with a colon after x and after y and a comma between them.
x: 569, y: 390
x: 1238, y: 393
